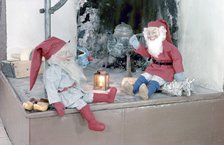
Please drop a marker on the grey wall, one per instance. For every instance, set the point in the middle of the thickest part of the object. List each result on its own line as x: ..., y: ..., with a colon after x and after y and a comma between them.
x: 25, y: 25
x: 2, y: 29
x: 201, y: 41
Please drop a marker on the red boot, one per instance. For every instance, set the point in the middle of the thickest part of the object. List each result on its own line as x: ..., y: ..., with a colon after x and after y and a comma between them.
x: 109, y: 98
x: 93, y: 124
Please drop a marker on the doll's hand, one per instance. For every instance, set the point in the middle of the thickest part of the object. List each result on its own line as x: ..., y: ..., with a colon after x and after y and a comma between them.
x: 59, y: 107
x: 179, y: 76
x: 134, y: 41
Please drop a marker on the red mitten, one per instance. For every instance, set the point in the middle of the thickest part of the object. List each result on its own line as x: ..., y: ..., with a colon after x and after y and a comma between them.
x: 59, y: 107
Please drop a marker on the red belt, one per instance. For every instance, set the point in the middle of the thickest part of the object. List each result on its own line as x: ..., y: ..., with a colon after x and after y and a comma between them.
x: 66, y: 88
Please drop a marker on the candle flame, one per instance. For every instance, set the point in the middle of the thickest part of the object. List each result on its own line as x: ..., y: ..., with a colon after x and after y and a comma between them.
x: 101, y: 81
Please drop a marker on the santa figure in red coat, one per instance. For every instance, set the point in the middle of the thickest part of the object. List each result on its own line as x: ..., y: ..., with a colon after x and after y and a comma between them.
x: 166, y: 59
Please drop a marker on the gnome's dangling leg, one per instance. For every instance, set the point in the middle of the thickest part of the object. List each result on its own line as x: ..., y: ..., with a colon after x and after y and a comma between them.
x: 85, y: 111
x: 93, y: 124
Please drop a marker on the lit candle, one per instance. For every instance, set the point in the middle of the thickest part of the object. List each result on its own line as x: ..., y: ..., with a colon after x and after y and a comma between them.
x: 101, y: 81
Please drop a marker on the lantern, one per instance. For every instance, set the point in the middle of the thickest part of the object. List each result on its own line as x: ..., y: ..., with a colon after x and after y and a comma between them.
x: 101, y: 80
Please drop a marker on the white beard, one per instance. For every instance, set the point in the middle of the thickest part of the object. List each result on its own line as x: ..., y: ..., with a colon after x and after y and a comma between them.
x: 73, y: 69
x: 69, y: 66
x: 155, y: 47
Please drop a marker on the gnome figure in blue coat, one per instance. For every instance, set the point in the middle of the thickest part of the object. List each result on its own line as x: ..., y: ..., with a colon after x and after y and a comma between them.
x: 62, y: 80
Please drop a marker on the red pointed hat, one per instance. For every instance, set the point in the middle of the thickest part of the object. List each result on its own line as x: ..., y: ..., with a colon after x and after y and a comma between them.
x: 161, y: 22
x: 45, y: 49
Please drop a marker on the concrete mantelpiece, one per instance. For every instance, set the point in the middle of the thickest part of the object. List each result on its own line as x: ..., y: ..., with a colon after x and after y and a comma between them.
x: 195, y: 120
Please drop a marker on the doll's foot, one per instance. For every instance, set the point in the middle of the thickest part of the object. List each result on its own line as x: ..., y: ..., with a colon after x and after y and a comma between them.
x: 41, y: 105
x: 143, y: 92
x: 96, y: 126
x: 93, y: 124
x: 128, y: 88
x: 29, y: 104
x: 102, y: 97
x: 112, y: 94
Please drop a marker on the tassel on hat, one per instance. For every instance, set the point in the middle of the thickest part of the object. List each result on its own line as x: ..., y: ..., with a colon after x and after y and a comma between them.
x: 45, y: 49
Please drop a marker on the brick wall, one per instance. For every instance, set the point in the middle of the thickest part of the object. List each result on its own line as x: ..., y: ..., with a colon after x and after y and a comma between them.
x: 2, y: 29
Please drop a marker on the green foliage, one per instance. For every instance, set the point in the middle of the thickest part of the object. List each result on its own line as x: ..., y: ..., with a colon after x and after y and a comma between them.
x: 136, y: 13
